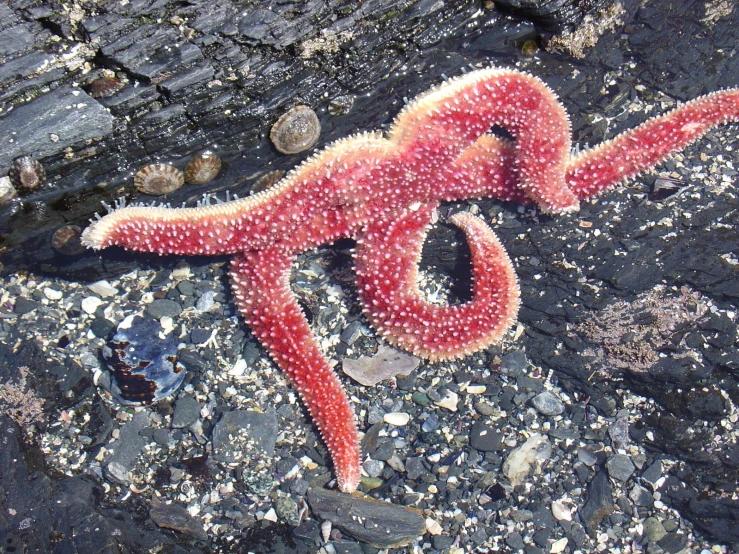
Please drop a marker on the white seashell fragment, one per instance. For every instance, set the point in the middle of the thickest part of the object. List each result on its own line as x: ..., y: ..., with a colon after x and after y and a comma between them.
x: 449, y: 402
x: 561, y: 512
x: 433, y: 527
x: 90, y: 304
x: 526, y: 458
x: 558, y: 546
x: 326, y: 530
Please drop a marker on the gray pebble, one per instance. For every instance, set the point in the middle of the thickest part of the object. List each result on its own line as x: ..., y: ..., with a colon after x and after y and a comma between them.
x: 653, y: 529
x: 206, y: 301
x: 414, y: 468
x: 587, y: 457
x: 548, y: 404
x: 620, y: 467
x: 653, y: 473
x: 514, y: 363
x: 127, y: 448
x: 186, y: 412
x: 186, y: 288
x: 163, y: 307
x: 373, y: 467
x: 640, y: 496
x: 161, y: 436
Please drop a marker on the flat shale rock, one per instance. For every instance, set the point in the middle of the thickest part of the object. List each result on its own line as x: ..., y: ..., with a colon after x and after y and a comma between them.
x: 380, y: 524
x: 63, y: 117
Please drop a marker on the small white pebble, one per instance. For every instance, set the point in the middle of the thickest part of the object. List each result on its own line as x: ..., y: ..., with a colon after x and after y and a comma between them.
x: 449, y: 402
x: 433, y: 527
x: 561, y: 512
x: 397, y: 418
x: 53, y: 294
x: 559, y: 545
x: 90, y: 304
x: 238, y: 369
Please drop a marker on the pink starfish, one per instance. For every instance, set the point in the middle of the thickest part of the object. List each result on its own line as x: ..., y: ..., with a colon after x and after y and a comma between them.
x: 383, y: 191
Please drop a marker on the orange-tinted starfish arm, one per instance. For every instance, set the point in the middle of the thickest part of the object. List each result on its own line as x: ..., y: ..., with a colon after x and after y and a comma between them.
x: 652, y: 142
x: 387, y: 258
x: 260, y: 281
x: 440, y: 124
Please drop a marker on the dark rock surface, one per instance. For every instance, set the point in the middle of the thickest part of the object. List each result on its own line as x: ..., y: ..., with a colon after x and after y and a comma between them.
x: 42, y: 511
x: 224, y: 73
x: 379, y: 524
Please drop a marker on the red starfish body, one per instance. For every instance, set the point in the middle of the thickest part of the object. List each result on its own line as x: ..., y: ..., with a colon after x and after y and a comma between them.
x: 382, y: 191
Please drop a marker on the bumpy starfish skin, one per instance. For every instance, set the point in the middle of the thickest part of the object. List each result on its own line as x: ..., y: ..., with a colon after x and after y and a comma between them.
x: 383, y: 191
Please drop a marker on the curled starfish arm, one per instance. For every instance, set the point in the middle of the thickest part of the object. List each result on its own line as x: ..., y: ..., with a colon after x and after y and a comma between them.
x: 387, y: 257
x: 262, y: 292
x: 649, y: 144
x: 442, y: 123
x: 487, y: 169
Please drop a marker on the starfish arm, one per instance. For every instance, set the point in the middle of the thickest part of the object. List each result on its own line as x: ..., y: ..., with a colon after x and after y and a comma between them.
x: 652, y: 142
x: 262, y: 292
x: 324, y: 198
x: 439, y: 125
x: 487, y: 169
x: 387, y: 258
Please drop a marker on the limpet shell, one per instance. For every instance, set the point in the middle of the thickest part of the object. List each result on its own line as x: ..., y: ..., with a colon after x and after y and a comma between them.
x: 7, y: 190
x: 202, y: 168
x: 66, y: 240
x: 297, y: 130
x: 27, y: 173
x: 158, y: 179
x: 266, y: 181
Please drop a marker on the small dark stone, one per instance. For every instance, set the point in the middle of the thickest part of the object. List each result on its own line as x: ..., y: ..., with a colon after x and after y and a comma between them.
x: 380, y: 524
x: 186, y: 412
x: 485, y: 437
x: 24, y: 306
x: 414, y: 468
x: 162, y: 307
x: 599, y: 503
x: 177, y: 518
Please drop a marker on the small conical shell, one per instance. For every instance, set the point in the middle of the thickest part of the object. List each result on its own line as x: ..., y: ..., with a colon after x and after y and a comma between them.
x: 297, y: 130
x: 27, y: 173
x: 158, y: 179
x: 202, y: 168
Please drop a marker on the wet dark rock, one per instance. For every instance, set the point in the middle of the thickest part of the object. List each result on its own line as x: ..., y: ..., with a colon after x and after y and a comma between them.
x: 49, y: 115
x: 485, y: 437
x: 240, y: 435
x: 379, y: 524
x: 53, y: 513
x: 127, y: 448
x: 600, y: 502
x: 554, y: 15
x: 186, y: 412
x: 177, y: 518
